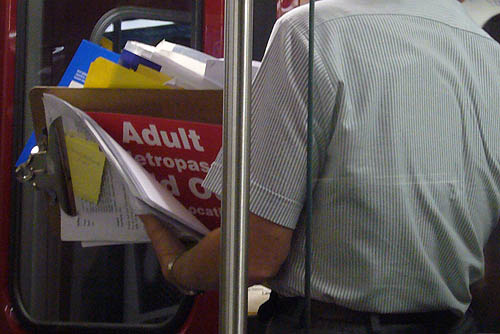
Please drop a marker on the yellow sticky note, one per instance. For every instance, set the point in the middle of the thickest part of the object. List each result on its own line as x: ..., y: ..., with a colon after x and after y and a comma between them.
x: 86, y: 164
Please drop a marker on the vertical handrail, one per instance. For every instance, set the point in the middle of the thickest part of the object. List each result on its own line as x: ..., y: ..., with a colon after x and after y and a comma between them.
x: 234, y: 226
x: 309, y: 190
x: 117, y: 36
x: 197, y: 24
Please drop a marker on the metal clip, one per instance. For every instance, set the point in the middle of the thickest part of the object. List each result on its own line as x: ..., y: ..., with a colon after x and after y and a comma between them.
x: 48, y: 170
x: 33, y: 167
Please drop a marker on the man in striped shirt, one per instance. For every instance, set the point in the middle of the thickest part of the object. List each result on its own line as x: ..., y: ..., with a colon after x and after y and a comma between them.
x: 406, y: 165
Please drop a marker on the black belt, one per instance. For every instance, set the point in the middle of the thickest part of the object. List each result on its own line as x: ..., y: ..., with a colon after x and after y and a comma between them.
x: 294, y: 306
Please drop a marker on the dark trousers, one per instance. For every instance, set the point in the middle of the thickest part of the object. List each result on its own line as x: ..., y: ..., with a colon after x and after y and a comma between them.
x: 285, y: 315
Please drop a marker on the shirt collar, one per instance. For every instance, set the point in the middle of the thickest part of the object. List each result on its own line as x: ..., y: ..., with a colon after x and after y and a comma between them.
x: 450, y: 12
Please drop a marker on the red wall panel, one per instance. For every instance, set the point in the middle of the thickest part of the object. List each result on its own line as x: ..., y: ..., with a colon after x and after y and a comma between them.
x: 7, y: 74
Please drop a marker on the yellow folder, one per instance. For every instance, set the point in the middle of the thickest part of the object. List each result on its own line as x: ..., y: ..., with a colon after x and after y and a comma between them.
x: 106, y: 74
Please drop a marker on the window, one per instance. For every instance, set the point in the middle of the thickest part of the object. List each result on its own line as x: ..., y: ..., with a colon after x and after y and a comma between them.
x: 64, y: 284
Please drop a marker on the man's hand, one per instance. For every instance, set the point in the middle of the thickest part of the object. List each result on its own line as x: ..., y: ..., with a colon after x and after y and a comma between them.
x: 167, y: 247
x: 198, y: 268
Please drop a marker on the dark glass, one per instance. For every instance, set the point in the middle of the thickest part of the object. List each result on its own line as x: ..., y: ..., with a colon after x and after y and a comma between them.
x: 57, y: 282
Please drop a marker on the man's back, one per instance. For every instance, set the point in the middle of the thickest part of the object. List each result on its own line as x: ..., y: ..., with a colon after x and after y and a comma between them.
x: 407, y: 132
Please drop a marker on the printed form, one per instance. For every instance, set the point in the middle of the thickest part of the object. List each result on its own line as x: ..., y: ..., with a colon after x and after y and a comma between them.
x: 112, y: 218
x: 108, y: 214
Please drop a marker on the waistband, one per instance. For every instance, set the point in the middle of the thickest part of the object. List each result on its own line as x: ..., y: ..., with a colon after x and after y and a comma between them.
x: 294, y: 307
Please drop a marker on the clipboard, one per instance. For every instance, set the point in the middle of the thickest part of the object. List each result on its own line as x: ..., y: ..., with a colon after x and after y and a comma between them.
x: 48, y: 170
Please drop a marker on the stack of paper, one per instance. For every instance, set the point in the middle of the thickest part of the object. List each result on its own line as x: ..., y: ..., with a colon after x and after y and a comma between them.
x: 107, y: 212
x: 103, y: 195
x: 96, y: 165
x: 185, y: 65
x: 189, y: 68
x: 165, y: 65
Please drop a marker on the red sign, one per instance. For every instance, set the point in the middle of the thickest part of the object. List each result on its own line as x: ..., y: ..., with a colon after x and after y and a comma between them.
x: 177, y: 153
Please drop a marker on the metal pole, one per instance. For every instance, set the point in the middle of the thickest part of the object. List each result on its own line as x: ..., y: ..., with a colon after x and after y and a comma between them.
x: 234, y: 226
x: 309, y: 191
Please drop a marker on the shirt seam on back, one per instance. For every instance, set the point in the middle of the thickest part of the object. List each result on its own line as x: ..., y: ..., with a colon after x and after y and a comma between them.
x: 351, y: 16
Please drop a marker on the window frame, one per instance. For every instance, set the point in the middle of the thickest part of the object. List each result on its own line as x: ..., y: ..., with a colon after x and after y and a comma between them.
x: 14, y: 276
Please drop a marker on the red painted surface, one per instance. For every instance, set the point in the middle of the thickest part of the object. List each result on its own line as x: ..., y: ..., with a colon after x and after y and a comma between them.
x: 8, y: 324
x: 204, y: 314
x: 181, y: 168
x: 283, y: 6
x: 213, y: 32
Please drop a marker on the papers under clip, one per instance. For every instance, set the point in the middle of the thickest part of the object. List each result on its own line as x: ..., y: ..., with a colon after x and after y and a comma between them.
x: 127, y: 189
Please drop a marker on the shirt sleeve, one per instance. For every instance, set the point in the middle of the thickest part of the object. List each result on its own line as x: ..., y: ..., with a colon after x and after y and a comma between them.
x: 279, y: 129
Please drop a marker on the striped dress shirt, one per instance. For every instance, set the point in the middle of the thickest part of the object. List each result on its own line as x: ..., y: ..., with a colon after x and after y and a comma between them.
x: 406, y: 152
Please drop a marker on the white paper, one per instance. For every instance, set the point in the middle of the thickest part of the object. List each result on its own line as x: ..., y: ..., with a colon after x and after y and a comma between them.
x: 127, y: 190
x: 184, y: 50
x: 186, y: 66
x: 188, y: 72
x: 189, y: 68
x: 111, y: 218
x: 214, y: 71
x: 142, y: 184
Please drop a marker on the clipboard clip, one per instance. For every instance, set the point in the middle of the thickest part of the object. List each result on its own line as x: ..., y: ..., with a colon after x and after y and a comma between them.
x: 48, y: 169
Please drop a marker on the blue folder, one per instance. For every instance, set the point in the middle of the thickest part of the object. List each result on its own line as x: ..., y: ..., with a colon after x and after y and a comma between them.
x: 76, y: 71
